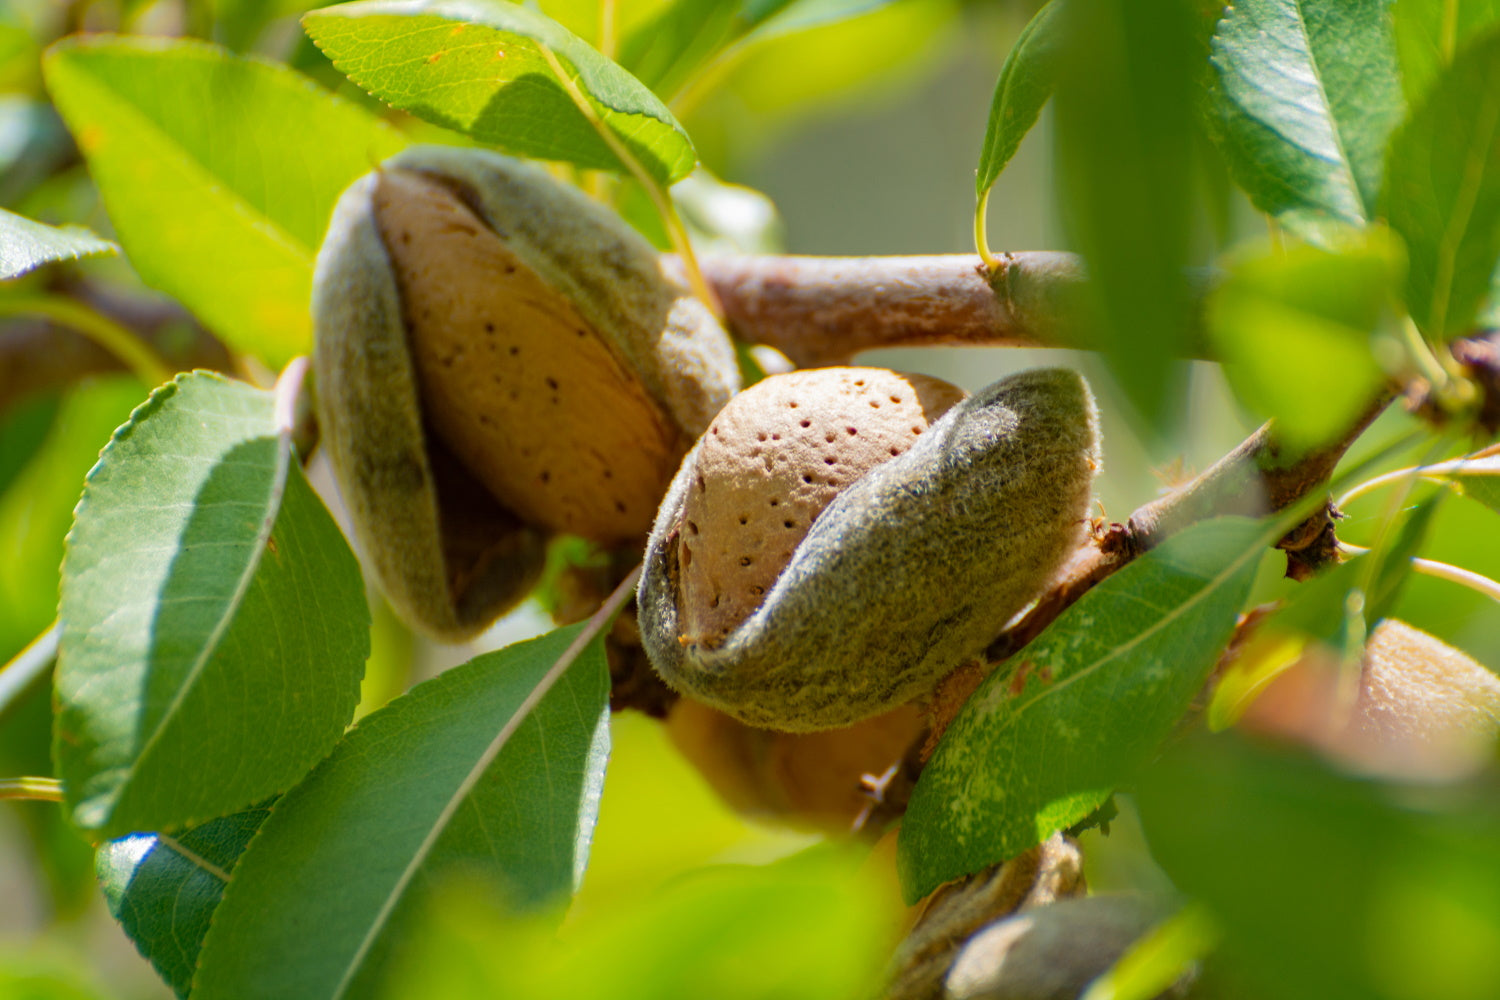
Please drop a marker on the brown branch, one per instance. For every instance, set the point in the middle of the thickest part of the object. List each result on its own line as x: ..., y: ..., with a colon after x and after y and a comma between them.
x: 824, y: 310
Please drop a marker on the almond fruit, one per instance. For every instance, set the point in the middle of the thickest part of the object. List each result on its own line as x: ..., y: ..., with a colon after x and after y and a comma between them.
x: 499, y: 359
x: 772, y: 460
x: 1423, y: 709
x: 804, y: 780
x: 907, y: 564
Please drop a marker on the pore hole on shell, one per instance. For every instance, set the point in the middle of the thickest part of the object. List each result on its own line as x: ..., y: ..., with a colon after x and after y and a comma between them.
x: 829, y: 438
x: 792, y: 404
x: 775, y: 501
x: 851, y: 431
x: 830, y: 461
x: 895, y: 451
x: 744, y: 518
x: 806, y: 423
x: 692, y: 527
x: 746, y: 560
x: 896, y: 399
x: 874, y: 404
x: 489, y: 328
x: 916, y: 430
x: 789, y: 524
x: 620, y: 506
x: 807, y: 479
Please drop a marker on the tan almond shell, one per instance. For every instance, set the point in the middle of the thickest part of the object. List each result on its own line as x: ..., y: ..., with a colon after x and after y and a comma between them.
x: 514, y: 380
x: 451, y: 570
x: 447, y: 555
x: 913, y: 568
x: 771, y: 461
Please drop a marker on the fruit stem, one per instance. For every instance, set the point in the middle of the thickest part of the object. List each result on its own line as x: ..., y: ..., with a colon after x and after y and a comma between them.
x: 676, y: 232
x: 1442, y: 571
x: 34, y: 789
x: 29, y: 664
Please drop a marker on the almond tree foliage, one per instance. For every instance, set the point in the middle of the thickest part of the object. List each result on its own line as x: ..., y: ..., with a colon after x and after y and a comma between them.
x: 227, y: 741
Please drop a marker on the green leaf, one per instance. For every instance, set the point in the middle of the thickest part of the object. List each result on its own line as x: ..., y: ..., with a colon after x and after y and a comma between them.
x: 37, y: 508
x: 1443, y: 191
x: 810, y: 927
x: 665, y: 52
x: 1024, y: 86
x: 1039, y: 746
x: 769, y: 19
x: 1478, y: 478
x: 219, y: 174
x: 163, y: 889
x: 1125, y: 146
x: 1307, y: 95
x: 25, y: 244
x: 1293, y: 328
x: 1430, y: 32
x: 454, y: 780
x: 1330, y: 888
x: 479, y: 67
x: 214, y: 625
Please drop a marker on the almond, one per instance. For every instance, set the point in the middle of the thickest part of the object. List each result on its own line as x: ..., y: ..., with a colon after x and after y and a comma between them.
x: 772, y: 460
x: 904, y: 566
x: 517, y: 383
x: 1423, y: 710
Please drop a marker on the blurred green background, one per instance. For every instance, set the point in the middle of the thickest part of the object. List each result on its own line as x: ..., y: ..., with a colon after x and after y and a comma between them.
x: 865, y: 134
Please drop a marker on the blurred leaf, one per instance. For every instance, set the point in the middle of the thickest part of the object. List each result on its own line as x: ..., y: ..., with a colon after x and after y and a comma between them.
x: 34, y: 974
x: 728, y: 218
x: 1477, y: 478
x: 1306, y: 96
x: 163, y: 889
x: 214, y: 625
x: 1125, y: 149
x: 219, y: 174
x: 1024, y: 86
x: 1328, y: 887
x: 1293, y: 330
x: 37, y: 509
x: 1443, y: 191
x: 1429, y: 33
x: 456, y: 779
x: 809, y: 927
x: 478, y: 66
x: 665, y: 52
x: 1334, y: 612
x: 1043, y: 743
x: 773, y: 18
x: 238, y: 24
x: 23, y: 430
x: 25, y: 244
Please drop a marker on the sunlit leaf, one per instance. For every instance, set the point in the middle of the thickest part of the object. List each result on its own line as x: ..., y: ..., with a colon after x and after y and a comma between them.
x: 1429, y: 34
x: 480, y: 67
x: 163, y: 889
x: 214, y: 625
x: 1443, y: 191
x: 1025, y: 84
x: 219, y: 174
x: 1306, y: 96
x: 1043, y: 743
x: 809, y: 927
x: 1293, y: 328
x: 454, y: 780
x: 26, y: 244
x: 1330, y: 888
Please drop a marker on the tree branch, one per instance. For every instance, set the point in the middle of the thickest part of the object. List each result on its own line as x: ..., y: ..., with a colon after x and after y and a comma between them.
x: 823, y: 310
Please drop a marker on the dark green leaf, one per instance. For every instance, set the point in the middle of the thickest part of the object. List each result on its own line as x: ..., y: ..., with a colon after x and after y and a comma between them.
x: 1124, y: 128
x: 1025, y: 83
x: 1306, y: 96
x: 25, y: 244
x: 480, y: 67
x: 219, y: 174
x: 163, y: 889
x: 1443, y: 191
x: 37, y: 509
x: 1293, y: 328
x: 214, y: 625
x: 1330, y: 888
x: 23, y: 431
x: 1430, y: 32
x: 1395, y: 560
x: 455, y: 780
x: 1042, y: 744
